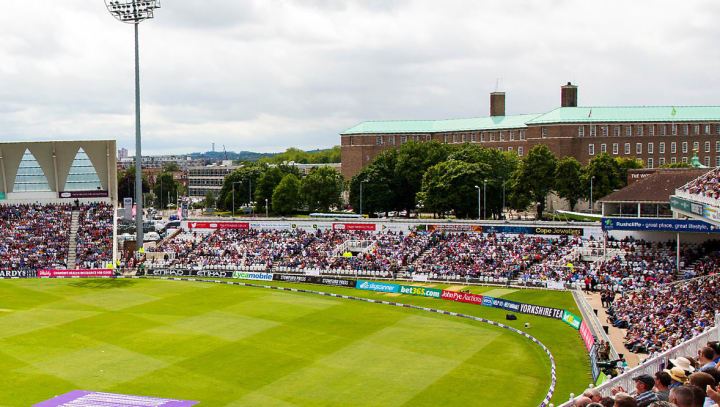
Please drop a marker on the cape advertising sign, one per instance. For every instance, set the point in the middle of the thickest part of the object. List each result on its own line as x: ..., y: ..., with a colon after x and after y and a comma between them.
x: 91, y: 398
x: 219, y: 225
x: 84, y: 194
x: 244, y: 275
x: 665, y: 225
x: 558, y: 231
x: 75, y: 273
x: 367, y: 227
x: 461, y: 297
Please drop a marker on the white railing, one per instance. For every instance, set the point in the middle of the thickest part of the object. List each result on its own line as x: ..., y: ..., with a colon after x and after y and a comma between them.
x: 698, y: 198
x: 658, y: 363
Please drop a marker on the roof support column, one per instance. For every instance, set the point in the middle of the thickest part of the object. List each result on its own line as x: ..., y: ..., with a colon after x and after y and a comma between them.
x: 2, y: 167
x: 57, y: 184
x: 639, y: 211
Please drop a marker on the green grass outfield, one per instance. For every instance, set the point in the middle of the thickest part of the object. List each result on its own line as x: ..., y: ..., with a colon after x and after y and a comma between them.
x: 226, y: 345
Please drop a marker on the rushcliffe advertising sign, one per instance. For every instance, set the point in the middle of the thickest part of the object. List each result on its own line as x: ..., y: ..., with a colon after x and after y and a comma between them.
x: 421, y: 291
x: 244, y: 275
x: 382, y: 287
x: 461, y: 297
x: 219, y: 225
x: 665, y: 225
x: 75, y: 273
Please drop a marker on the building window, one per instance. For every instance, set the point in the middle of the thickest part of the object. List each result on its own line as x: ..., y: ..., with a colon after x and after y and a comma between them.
x: 651, y: 148
x: 482, y: 137
x: 615, y: 148
x: 591, y: 149
x: 502, y: 136
x: 639, y: 129
x: 473, y: 137
x: 378, y: 140
x: 661, y: 161
x: 492, y: 136
x: 593, y: 131
x: 581, y: 131
x: 500, y: 149
x: 663, y: 130
x: 707, y: 161
x: 543, y: 132
x: 627, y: 148
x: 696, y: 146
x: 638, y: 148
x: 673, y: 147
x: 428, y: 137
x: 352, y: 140
x: 685, y: 160
x: 417, y: 138
x: 684, y: 147
x: 455, y: 138
x: 463, y: 138
x: 674, y: 129
x: 686, y: 129
x: 510, y: 148
x: 650, y: 162
x: 512, y: 135
x: 391, y: 140
x: 520, y: 151
x: 651, y: 130
x: 697, y: 129
x: 673, y: 160
x: 717, y: 146
x: 603, y: 148
x: 445, y: 138
x: 628, y: 131
x: 717, y: 161
x: 707, y: 146
x: 617, y: 131
x: 604, y: 130
x: 707, y: 129
x: 403, y: 139
x: 522, y: 134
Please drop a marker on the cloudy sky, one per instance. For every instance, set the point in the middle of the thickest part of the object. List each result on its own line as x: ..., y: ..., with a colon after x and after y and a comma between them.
x: 264, y: 75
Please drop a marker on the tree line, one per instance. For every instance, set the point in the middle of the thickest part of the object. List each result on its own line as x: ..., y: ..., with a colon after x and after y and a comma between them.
x: 449, y: 179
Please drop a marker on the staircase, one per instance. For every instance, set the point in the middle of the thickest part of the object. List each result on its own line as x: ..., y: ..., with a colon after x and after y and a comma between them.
x: 72, y: 247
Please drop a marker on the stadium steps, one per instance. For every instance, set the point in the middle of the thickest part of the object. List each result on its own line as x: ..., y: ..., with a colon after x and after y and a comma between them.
x: 72, y: 245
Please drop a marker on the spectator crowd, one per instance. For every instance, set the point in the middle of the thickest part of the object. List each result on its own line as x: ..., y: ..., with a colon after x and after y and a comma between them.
x: 707, y: 186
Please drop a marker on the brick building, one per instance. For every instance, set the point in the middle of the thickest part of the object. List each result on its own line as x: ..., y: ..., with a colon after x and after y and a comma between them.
x: 654, y: 134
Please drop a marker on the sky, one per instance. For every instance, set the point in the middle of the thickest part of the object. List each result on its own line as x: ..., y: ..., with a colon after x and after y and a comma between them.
x: 266, y: 75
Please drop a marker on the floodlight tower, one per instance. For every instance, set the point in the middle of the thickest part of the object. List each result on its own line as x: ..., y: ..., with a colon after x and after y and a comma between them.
x: 133, y: 12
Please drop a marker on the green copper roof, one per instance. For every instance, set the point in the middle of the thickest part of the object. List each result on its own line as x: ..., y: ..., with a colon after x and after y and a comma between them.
x: 593, y: 114
x: 438, y: 126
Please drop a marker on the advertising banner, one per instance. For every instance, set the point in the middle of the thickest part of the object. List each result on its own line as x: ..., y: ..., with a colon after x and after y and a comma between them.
x: 455, y: 228
x: 75, y: 273
x: 541, y: 311
x: 513, y: 230
x: 291, y: 279
x: 461, y: 297
x: 84, y: 194
x: 506, y: 304
x: 219, y: 225
x: 337, y: 282
x: 685, y: 205
x: 189, y: 273
x: 17, y: 273
x: 368, y: 227
x: 2, y: 195
x: 557, y: 231
x: 127, y: 208
x: 270, y: 226
x: 572, y: 320
x: 246, y: 275
x: 372, y: 286
x: 91, y: 398
x: 420, y: 277
x: 421, y: 291
x: 586, y: 335
x: 594, y: 368
x: 555, y: 285
x: 664, y: 225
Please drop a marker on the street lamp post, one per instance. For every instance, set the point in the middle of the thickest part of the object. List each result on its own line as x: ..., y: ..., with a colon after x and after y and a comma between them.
x: 252, y: 209
x: 478, y: 188
x: 502, y: 212
x: 267, y: 215
x: 133, y: 12
x: 485, y: 199
x: 233, y: 196
x: 591, y: 193
x: 361, y: 183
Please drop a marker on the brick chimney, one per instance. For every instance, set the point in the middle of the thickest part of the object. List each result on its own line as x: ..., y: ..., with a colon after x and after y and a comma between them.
x: 568, y: 95
x: 497, y: 104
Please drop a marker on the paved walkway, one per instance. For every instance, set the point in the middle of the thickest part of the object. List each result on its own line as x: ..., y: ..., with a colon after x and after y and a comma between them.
x: 616, y: 335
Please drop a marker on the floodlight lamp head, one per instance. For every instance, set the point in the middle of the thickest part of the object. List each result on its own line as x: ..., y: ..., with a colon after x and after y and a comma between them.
x: 132, y: 11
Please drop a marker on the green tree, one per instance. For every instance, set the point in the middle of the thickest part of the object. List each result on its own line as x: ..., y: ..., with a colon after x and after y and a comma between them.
x: 450, y: 185
x: 321, y: 189
x: 536, y: 175
x: 171, y: 167
x: 676, y: 165
x: 625, y: 164
x: 126, y: 184
x: 605, y: 174
x: 209, y: 199
x: 285, y: 196
x: 568, y: 178
x: 243, y: 181
x: 413, y: 159
x: 166, y: 188
x: 379, y: 185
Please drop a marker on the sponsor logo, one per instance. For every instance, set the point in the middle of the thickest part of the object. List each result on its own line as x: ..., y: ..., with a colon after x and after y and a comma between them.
x: 455, y: 228
x: 15, y: 273
x: 571, y: 320
x: 219, y: 225
x: 488, y: 301
x: 541, y: 311
x: 83, y: 194
x: 252, y: 276
x: 371, y: 286
x: 421, y: 291
x: 337, y: 282
x: 355, y: 226
x: 289, y: 278
x: 75, y: 273
x: 461, y: 297
x: 558, y: 231
x: 586, y: 335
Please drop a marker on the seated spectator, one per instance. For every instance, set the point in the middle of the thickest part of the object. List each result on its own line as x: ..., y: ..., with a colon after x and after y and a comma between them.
x: 706, y: 357
x: 682, y: 396
x: 662, y: 385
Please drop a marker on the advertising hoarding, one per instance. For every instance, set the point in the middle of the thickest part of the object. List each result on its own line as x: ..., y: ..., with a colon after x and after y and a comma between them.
x: 219, y: 225
x: 373, y: 286
x: 75, y: 273
x: 461, y: 297
x: 421, y: 291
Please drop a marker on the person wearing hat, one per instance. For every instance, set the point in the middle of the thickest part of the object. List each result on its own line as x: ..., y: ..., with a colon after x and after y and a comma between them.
x: 684, y: 363
x: 644, y: 394
x: 678, y: 376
